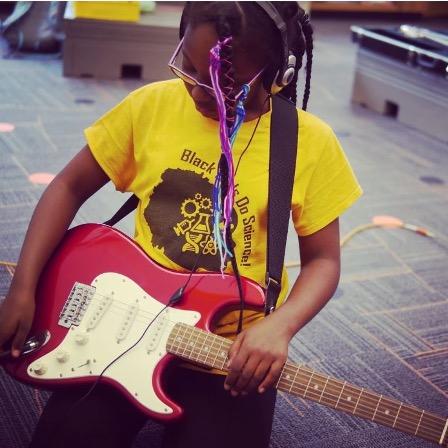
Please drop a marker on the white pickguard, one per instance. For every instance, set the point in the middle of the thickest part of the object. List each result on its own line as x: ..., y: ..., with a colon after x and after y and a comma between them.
x: 105, y: 333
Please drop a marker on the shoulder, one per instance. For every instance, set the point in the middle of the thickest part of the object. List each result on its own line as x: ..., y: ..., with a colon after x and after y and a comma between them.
x: 158, y: 91
x: 155, y: 102
x: 311, y: 127
x: 316, y: 139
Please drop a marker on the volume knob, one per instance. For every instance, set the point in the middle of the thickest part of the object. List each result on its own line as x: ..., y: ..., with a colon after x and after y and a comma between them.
x: 39, y: 368
x: 62, y: 356
x: 81, y: 338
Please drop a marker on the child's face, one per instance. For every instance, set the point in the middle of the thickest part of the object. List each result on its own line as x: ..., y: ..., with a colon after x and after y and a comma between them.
x: 195, y: 61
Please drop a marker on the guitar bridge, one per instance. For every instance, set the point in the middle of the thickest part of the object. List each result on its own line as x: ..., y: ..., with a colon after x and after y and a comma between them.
x: 76, y: 305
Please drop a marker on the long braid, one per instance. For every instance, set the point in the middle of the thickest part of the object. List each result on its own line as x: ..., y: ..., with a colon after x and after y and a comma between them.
x: 290, y: 12
x: 300, y: 38
x: 227, y: 75
x: 308, y: 33
x: 222, y: 76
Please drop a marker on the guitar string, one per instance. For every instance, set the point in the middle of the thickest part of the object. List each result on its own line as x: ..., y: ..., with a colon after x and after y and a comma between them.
x: 141, y: 312
x: 367, y: 412
x: 403, y: 420
x: 377, y: 397
x: 322, y: 377
x: 402, y: 424
x: 318, y: 377
x: 403, y: 405
x: 117, y: 303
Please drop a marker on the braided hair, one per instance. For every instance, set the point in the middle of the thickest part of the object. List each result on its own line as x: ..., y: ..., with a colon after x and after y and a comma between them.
x: 253, y: 30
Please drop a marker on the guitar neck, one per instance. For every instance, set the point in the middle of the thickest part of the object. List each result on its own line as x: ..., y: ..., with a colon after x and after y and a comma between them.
x: 207, y: 349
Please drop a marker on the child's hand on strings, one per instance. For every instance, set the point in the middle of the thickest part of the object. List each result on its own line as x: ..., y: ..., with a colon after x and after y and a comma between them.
x: 257, y: 356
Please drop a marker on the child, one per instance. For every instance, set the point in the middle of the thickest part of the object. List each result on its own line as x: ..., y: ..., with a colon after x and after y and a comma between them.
x: 162, y: 143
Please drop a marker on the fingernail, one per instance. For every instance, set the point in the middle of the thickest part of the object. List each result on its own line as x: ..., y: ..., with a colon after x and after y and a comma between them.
x: 226, y: 386
x: 244, y: 393
x: 15, y: 353
x: 261, y: 390
x: 234, y: 393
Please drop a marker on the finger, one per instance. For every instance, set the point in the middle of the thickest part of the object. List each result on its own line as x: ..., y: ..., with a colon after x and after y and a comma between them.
x: 272, y: 376
x: 235, y: 348
x: 3, y: 336
x: 6, y: 333
x: 259, y: 375
x: 19, y: 340
x: 246, y: 375
x: 235, y: 368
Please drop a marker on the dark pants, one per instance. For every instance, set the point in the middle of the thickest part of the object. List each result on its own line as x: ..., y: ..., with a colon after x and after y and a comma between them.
x: 213, y: 418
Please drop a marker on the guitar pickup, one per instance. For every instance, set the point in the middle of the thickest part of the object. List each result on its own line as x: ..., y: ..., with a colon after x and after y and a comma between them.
x: 127, y: 323
x: 98, y: 312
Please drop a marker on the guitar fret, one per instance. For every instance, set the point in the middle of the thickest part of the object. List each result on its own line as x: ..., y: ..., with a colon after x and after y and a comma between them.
x: 409, y: 414
x: 187, y: 343
x: 396, y: 417
x: 332, y: 391
x: 180, y: 338
x: 224, y: 355
x: 171, y: 339
x: 445, y: 429
x: 340, y: 395
x: 185, y: 338
x: 323, y: 390
x: 420, y: 420
x: 289, y: 384
x: 376, y: 409
x: 218, y: 351
x: 196, y: 349
x: 294, y: 379
x: 359, y: 397
x: 280, y: 376
x: 205, y: 348
x: 385, y: 410
x: 309, y: 382
x: 216, y: 356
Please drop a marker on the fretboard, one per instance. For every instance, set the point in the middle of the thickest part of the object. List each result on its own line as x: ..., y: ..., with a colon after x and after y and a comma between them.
x: 207, y: 349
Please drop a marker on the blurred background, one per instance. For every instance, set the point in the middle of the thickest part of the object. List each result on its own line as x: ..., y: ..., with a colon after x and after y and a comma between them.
x: 379, y: 79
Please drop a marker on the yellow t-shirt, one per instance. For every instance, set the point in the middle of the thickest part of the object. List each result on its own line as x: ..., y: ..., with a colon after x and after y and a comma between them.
x: 156, y: 145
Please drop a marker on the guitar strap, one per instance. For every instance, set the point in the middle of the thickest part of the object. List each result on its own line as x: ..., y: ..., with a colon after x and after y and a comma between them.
x: 282, y: 163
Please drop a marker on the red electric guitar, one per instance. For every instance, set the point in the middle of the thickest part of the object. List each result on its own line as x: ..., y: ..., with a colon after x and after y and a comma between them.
x: 99, y: 292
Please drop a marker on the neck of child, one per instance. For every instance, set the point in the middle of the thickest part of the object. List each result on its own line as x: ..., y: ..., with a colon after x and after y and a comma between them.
x: 257, y: 105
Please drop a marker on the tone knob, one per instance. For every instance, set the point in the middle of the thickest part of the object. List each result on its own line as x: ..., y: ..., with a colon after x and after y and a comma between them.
x: 62, y: 356
x: 81, y: 338
x: 39, y: 368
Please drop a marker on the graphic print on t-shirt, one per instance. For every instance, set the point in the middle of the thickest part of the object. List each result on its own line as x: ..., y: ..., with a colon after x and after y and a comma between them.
x: 180, y: 217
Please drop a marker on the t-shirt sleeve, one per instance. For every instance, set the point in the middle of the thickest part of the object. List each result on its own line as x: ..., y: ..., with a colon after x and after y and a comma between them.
x: 332, y: 188
x: 112, y: 144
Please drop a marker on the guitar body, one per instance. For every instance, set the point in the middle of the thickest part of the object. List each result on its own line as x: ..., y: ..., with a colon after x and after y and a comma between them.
x: 97, y: 296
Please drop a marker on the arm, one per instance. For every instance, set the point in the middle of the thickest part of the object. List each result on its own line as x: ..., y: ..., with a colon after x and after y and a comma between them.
x: 80, y: 179
x: 258, y: 354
